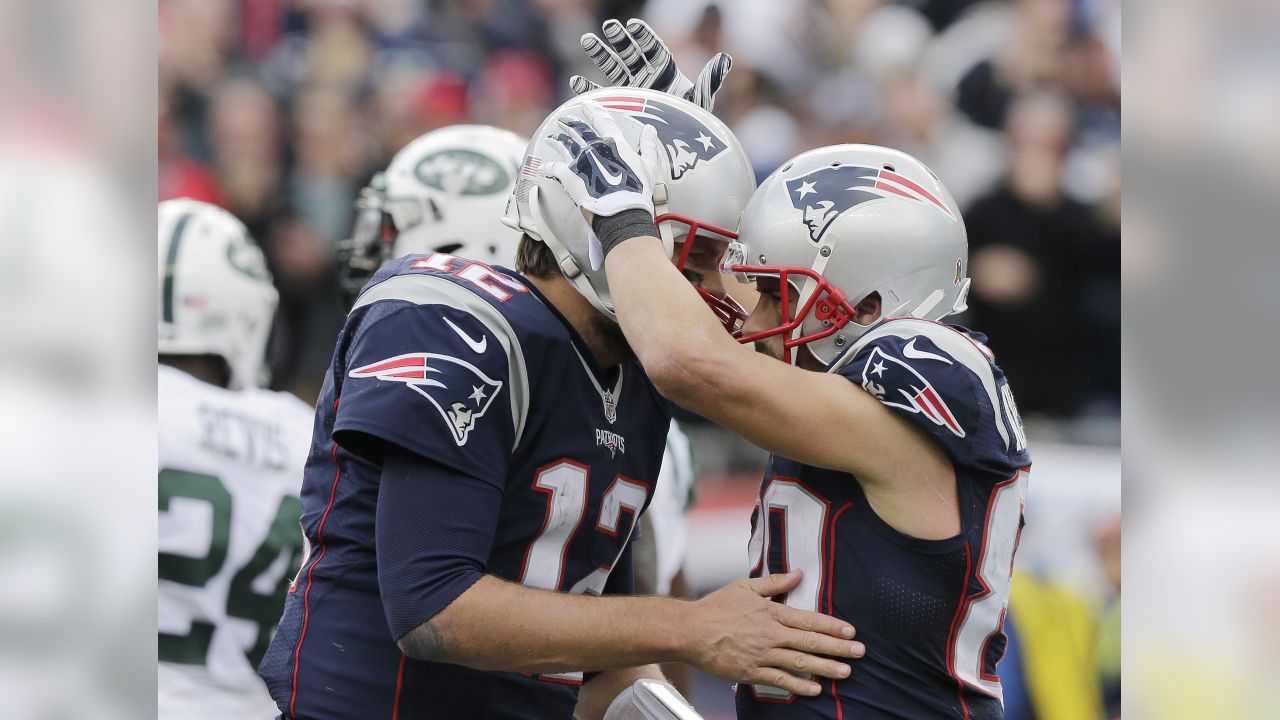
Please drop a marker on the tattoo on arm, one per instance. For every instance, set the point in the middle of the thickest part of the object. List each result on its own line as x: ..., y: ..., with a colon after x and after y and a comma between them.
x: 427, y: 642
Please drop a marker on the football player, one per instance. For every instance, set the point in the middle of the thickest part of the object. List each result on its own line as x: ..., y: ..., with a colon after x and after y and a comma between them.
x: 485, y: 443
x: 446, y: 192
x: 443, y: 192
x: 230, y: 456
x: 899, y: 466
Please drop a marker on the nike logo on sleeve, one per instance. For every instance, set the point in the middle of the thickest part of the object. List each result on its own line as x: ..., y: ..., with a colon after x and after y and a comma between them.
x: 477, y: 347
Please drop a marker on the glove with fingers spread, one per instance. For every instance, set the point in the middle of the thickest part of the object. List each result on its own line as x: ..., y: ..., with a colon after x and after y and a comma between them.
x: 606, y: 177
x: 634, y: 56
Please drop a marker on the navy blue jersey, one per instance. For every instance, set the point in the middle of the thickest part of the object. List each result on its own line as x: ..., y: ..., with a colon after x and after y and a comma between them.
x: 533, y: 464
x: 931, y: 612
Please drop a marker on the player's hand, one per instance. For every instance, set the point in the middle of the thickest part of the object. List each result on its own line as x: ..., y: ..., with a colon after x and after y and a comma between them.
x: 635, y: 56
x: 735, y: 633
x: 603, y: 174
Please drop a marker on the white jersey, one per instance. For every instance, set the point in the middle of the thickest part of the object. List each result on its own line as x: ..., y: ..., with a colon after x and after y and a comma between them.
x: 230, y: 468
x: 661, y: 550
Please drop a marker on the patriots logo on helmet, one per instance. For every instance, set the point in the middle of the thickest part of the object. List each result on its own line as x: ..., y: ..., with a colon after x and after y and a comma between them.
x: 897, y: 384
x: 687, y: 141
x: 825, y: 193
x: 458, y: 390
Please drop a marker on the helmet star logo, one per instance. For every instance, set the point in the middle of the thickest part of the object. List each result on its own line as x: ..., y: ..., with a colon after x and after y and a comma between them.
x: 706, y: 141
x: 804, y: 189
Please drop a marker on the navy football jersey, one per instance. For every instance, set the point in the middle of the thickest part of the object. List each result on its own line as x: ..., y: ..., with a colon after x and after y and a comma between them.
x: 931, y: 612
x: 542, y: 463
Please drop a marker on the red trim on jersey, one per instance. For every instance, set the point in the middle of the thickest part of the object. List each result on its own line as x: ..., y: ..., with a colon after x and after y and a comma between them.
x: 828, y: 577
x: 967, y: 600
x: 767, y: 538
x: 546, y: 518
x: 1017, y: 540
x: 635, y: 512
x: 986, y: 590
x: 955, y: 627
x: 558, y: 680
x: 986, y: 644
x: 306, y: 594
x: 395, y: 707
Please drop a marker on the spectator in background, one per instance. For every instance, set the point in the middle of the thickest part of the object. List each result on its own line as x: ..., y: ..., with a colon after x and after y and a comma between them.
x: 178, y: 174
x: 277, y: 108
x: 1032, y: 56
x: 1031, y: 247
x: 245, y: 143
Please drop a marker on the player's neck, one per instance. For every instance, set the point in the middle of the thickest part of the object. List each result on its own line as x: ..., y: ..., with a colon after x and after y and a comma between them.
x: 602, y: 336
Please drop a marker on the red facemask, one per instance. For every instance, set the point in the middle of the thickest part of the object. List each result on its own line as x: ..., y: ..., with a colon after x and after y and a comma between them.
x: 731, y: 314
x: 826, y: 302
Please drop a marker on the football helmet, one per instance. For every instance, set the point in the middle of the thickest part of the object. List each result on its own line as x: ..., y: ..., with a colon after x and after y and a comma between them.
x: 702, y: 186
x: 216, y: 295
x: 443, y: 192
x: 839, y: 223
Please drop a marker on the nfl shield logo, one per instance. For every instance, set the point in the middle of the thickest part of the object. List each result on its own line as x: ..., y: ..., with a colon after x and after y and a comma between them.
x: 610, y: 406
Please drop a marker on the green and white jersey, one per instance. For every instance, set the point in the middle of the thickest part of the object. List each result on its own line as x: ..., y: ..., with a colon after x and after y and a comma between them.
x: 667, y: 517
x: 230, y: 468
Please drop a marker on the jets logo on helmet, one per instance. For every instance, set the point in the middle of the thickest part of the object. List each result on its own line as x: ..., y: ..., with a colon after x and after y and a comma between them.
x: 687, y: 141
x: 458, y: 390
x: 825, y: 193
x: 896, y: 383
x: 462, y: 172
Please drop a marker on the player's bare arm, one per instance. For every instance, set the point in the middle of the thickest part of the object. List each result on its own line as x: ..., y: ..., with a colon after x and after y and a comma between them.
x: 700, y: 367
x: 734, y: 633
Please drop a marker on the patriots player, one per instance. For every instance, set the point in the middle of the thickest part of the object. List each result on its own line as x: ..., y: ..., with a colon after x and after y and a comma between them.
x: 483, y: 446
x: 446, y: 192
x: 230, y: 455
x: 899, y: 466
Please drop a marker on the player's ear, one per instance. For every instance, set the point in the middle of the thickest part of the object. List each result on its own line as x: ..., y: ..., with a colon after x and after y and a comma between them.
x: 868, y: 311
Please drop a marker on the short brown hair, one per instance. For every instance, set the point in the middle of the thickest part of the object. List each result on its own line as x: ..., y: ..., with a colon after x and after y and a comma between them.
x: 535, y: 259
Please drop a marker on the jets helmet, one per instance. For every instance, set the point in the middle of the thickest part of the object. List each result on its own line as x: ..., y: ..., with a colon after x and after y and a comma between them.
x: 839, y: 223
x: 443, y: 192
x: 704, y: 182
x: 216, y: 295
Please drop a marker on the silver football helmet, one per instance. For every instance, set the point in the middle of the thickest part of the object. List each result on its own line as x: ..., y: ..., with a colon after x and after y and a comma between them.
x: 443, y: 192
x: 216, y: 295
x: 839, y: 223
x: 704, y: 183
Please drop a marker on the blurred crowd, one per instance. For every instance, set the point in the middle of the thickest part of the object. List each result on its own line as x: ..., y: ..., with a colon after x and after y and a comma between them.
x: 280, y: 110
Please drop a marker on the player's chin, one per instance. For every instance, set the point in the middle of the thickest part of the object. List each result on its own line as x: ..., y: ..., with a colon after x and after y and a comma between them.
x: 611, y: 331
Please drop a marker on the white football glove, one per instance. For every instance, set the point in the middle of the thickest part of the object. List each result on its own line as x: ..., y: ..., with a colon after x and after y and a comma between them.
x: 635, y: 56
x: 604, y: 175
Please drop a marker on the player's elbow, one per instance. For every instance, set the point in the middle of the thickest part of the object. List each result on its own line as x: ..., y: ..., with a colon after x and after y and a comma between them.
x: 684, y: 374
x: 429, y: 642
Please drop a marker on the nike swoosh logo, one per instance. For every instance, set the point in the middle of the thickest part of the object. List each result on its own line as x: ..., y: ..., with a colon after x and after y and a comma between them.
x: 911, y: 352
x: 611, y: 178
x: 478, y: 347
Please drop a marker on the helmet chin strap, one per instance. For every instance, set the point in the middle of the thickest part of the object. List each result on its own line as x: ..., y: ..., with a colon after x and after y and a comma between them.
x: 810, y: 287
x: 922, y: 310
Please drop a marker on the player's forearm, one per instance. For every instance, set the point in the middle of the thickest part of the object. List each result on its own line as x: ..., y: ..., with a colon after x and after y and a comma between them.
x: 499, y: 625
x: 678, y: 341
